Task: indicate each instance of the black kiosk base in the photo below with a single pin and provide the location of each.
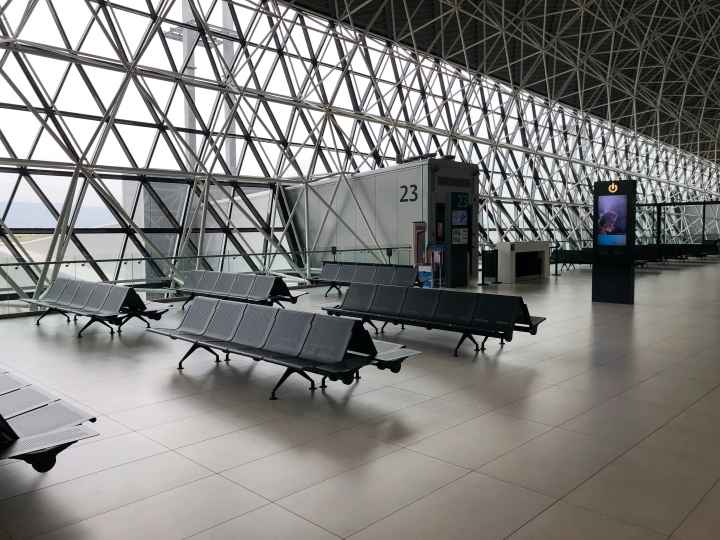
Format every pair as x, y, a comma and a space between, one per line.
613, 275
613, 283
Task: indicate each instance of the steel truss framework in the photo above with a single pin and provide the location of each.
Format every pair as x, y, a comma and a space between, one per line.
186, 120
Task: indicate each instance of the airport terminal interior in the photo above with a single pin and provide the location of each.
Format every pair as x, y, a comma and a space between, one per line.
369, 269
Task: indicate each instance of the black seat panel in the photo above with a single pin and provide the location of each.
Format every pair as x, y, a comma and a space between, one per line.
289, 332
208, 281
261, 288
192, 280
225, 320
388, 300
359, 297
198, 316
242, 285
455, 307
420, 304
254, 326
224, 283
329, 271
384, 275
328, 339
405, 276
346, 273
364, 273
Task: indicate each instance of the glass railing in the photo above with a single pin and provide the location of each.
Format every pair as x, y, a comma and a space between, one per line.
152, 275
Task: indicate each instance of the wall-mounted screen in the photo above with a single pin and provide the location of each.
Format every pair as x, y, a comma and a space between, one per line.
460, 218
612, 220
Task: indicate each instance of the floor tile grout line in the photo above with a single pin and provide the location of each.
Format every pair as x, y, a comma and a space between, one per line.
622, 454
165, 451
417, 499
250, 512
114, 509
690, 512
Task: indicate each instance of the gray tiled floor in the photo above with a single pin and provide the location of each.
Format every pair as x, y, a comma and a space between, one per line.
604, 426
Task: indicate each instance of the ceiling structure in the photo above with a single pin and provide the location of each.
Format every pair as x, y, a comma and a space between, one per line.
650, 65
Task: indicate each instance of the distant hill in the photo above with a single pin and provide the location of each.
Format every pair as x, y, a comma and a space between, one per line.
28, 215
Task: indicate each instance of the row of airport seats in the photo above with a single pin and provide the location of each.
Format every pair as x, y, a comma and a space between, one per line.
257, 289
299, 341
643, 253
340, 273
104, 303
468, 313
36, 426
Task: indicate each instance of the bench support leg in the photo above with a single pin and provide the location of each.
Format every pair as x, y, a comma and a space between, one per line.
187, 302
482, 346
281, 381
94, 320
502, 342
48, 312
192, 349
323, 385
373, 325
288, 372
357, 375
382, 328
462, 339
309, 378
333, 286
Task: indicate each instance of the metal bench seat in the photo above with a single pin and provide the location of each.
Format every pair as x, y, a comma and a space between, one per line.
336, 274
103, 303
299, 341
36, 426
467, 313
251, 288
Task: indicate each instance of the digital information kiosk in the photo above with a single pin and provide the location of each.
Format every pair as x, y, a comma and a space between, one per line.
613, 242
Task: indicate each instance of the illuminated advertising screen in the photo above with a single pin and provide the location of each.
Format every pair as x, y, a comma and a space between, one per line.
612, 224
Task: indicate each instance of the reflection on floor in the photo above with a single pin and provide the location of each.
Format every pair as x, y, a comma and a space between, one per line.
604, 426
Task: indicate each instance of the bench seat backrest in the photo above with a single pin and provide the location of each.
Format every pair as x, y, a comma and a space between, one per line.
384, 275
82, 295
242, 285
388, 300
405, 276
364, 273
224, 283
329, 271
98, 297
420, 304
289, 331
261, 288
359, 297
225, 320
68, 293
198, 316
192, 279
53, 292
496, 312
346, 273
455, 307
255, 326
208, 281
328, 340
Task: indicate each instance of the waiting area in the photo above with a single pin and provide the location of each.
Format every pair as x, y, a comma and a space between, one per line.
604, 425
